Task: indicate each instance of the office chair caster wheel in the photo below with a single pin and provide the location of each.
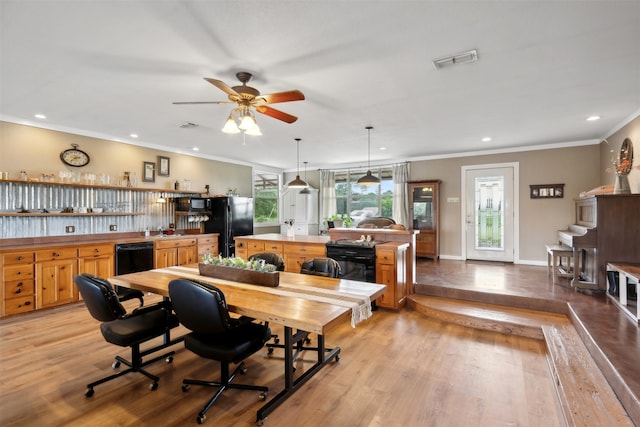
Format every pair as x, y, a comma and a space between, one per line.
200, 419
169, 359
307, 340
153, 386
263, 395
116, 364
276, 340
270, 350
185, 388
243, 370
89, 392
337, 357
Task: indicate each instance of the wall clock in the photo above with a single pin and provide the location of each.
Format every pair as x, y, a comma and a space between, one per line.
74, 157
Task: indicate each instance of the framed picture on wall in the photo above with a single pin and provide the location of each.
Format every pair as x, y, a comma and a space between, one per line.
546, 191
164, 164
148, 172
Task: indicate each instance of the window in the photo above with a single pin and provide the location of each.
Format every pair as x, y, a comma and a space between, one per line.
362, 201
266, 193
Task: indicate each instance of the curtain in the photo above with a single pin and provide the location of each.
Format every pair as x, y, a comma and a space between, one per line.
400, 197
327, 195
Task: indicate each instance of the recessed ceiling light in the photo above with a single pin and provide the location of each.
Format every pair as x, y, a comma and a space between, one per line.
196, 149
383, 148
593, 118
486, 139
133, 135
39, 116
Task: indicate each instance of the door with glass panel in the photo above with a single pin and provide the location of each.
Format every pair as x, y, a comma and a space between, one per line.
489, 222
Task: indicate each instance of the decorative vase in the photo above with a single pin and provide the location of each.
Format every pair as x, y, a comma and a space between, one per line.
243, 275
622, 185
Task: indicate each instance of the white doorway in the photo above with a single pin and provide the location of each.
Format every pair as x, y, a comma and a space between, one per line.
490, 212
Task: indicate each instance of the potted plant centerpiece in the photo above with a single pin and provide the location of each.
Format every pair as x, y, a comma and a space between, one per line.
255, 272
339, 220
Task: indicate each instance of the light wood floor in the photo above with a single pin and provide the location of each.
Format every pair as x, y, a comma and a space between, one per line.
397, 369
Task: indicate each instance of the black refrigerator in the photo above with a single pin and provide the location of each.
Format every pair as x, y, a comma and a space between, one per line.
230, 216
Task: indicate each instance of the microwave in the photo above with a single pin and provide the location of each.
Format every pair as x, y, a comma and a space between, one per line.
193, 204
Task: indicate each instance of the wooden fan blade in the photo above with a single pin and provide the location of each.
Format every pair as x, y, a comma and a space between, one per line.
223, 87
204, 102
276, 114
288, 96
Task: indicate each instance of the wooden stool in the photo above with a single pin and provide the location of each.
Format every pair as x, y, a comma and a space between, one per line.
555, 255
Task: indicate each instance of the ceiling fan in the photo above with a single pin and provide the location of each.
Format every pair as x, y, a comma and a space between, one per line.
247, 97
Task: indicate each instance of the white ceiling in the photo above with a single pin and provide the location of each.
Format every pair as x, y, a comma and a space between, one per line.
112, 68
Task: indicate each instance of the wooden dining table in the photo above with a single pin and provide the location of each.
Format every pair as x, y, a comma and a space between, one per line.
301, 303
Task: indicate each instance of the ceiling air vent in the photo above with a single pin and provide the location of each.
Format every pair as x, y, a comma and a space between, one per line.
460, 58
187, 125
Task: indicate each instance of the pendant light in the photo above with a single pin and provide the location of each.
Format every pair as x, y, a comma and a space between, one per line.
305, 190
369, 179
297, 183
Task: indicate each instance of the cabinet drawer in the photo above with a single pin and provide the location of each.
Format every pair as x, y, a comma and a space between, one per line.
19, 305
56, 253
96, 250
305, 250
207, 249
386, 256
273, 247
425, 238
207, 240
18, 272
15, 288
17, 258
168, 244
254, 247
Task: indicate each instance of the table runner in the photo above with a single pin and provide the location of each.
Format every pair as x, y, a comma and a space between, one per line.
359, 304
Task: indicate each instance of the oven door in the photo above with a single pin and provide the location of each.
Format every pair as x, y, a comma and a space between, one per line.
355, 267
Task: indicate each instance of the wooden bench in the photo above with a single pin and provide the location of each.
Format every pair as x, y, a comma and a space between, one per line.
555, 256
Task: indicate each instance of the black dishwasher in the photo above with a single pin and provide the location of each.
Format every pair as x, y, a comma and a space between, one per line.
134, 257
131, 258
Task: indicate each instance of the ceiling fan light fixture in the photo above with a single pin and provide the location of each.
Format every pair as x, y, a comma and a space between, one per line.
254, 131
369, 179
247, 121
230, 126
297, 183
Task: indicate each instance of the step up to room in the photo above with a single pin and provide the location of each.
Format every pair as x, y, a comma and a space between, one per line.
586, 397
492, 317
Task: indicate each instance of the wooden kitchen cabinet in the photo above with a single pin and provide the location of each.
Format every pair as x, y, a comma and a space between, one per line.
391, 271
97, 260
18, 283
207, 244
55, 269
424, 206
296, 254
171, 252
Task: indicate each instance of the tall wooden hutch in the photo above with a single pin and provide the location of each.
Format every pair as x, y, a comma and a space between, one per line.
424, 212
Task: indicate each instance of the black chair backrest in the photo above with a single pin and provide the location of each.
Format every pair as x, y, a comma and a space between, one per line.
199, 306
270, 258
326, 267
99, 297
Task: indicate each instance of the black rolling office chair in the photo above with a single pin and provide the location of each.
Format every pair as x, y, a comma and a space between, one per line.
125, 329
274, 259
270, 258
126, 294
215, 335
326, 267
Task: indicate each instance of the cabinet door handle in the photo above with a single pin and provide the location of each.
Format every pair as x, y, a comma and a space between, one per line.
97, 250
20, 258
56, 254
27, 303
19, 291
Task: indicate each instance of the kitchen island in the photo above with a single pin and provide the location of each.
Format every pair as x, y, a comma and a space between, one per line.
390, 264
